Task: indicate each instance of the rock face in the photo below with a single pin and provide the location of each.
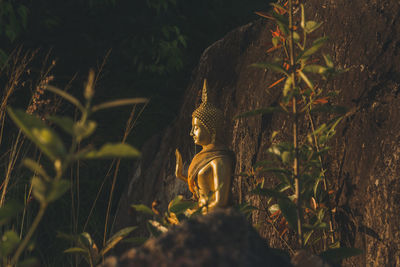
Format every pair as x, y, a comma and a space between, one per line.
222, 238
363, 162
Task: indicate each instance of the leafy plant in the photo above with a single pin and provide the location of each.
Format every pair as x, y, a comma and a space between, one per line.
85, 246
48, 187
179, 210
13, 21
302, 199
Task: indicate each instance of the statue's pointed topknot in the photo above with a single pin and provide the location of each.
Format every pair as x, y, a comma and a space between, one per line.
208, 114
204, 95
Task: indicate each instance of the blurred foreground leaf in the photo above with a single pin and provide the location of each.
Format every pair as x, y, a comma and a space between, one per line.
9, 241
118, 150
178, 205
36, 130
9, 210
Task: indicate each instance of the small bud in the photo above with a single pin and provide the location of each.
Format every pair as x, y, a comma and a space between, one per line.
57, 165
89, 90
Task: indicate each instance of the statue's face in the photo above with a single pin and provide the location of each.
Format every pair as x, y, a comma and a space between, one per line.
200, 134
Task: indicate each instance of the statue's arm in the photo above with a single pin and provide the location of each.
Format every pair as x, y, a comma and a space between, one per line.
222, 175
179, 166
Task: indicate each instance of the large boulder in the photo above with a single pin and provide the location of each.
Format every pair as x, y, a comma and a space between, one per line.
363, 162
223, 238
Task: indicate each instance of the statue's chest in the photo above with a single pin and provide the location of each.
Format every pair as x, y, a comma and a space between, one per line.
205, 179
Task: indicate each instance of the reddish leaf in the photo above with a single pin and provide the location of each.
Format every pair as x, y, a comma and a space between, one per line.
322, 100
274, 48
264, 14
283, 232
277, 82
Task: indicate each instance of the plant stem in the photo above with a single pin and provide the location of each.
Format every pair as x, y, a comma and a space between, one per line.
332, 232
13, 158
295, 129
128, 128
28, 236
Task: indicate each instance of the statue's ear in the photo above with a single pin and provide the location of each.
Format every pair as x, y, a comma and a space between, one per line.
213, 137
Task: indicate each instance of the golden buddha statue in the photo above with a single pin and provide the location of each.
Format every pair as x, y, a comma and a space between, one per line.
210, 172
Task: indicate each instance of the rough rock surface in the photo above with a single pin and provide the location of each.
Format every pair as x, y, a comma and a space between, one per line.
363, 162
222, 238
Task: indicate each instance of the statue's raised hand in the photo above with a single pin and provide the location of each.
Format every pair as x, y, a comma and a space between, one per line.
179, 166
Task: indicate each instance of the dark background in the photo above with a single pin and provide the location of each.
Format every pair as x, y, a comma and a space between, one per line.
151, 48
154, 46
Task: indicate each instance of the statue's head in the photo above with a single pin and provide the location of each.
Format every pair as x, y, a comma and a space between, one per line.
207, 121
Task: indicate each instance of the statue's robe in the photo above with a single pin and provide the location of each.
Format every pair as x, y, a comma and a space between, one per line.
201, 159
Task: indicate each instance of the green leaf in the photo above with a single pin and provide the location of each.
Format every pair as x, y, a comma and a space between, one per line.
338, 254
306, 80
335, 245
267, 110
273, 208
36, 130
11, 32
311, 26
178, 205
288, 86
120, 102
65, 123
282, 187
23, 13
28, 263
286, 157
268, 192
156, 228
143, 208
122, 233
303, 16
307, 236
58, 188
328, 60
118, 150
82, 130
3, 58
10, 209
288, 209
320, 129
314, 48
278, 6
48, 191
275, 41
69, 237
316, 185
39, 189
35, 168
65, 95
85, 240
283, 23
296, 37
116, 238
271, 66
313, 68
316, 225
9, 241
76, 250
321, 214
245, 208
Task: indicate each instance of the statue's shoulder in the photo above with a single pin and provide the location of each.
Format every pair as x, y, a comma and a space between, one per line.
223, 161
